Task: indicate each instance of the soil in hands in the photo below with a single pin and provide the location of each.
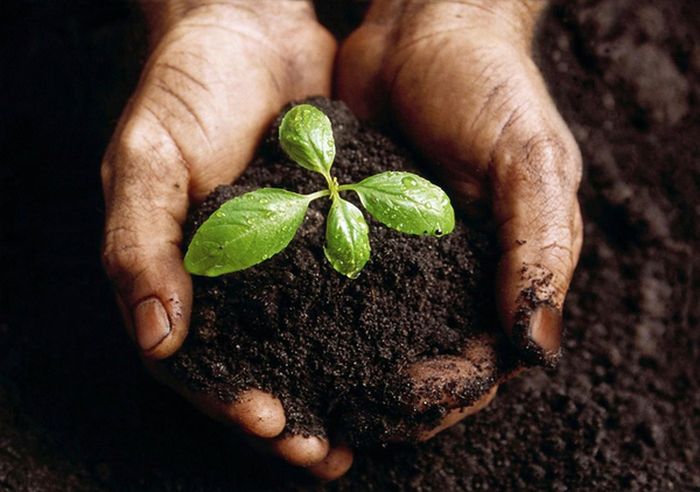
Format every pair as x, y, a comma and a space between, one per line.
334, 350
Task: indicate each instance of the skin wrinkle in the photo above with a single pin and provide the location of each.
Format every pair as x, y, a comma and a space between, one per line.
177, 12
181, 155
190, 77
139, 147
236, 7
492, 95
502, 134
115, 242
518, 27
289, 67
188, 109
405, 45
261, 41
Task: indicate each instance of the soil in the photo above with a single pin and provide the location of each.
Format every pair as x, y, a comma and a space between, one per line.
622, 410
334, 350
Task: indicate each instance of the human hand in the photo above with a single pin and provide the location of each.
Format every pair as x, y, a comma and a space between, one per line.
459, 80
217, 75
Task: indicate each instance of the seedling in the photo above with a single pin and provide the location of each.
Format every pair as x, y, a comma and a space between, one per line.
253, 227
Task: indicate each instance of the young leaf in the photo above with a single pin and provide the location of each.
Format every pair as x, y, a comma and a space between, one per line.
245, 231
347, 238
306, 136
407, 203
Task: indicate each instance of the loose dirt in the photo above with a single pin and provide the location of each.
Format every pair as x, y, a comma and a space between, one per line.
622, 410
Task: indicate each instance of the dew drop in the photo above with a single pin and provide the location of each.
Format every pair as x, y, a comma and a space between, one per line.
409, 182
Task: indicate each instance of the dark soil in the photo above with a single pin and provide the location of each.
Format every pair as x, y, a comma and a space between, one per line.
622, 411
334, 350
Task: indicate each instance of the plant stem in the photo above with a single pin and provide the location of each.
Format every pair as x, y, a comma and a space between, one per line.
346, 187
318, 194
329, 181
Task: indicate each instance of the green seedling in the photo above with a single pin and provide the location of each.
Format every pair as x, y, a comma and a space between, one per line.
253, 227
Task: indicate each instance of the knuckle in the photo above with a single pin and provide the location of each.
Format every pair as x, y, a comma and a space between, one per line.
121, 253
142, 147
142, 166
559, 258
549, 161
543, 157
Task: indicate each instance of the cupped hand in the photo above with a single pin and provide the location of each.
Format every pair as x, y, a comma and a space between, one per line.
459, 80
216, 77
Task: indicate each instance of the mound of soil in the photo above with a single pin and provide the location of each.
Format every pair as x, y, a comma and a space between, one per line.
334, 350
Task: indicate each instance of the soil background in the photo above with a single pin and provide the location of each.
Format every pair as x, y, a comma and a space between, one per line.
622, 411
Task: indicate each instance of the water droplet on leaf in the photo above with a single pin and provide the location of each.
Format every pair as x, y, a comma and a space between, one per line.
409, 182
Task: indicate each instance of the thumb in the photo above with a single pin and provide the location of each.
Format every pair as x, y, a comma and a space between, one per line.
535, 176
145, 182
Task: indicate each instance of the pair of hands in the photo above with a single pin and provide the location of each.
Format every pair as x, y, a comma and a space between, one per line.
457, 78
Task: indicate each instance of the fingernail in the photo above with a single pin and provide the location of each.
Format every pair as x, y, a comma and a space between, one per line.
537, 334
152, 324
545, 330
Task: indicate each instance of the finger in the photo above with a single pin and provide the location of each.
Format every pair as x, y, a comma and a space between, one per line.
455, 381
261, 416
461, 384
255, 412
336, 463
300, 450
458, 414
145, 186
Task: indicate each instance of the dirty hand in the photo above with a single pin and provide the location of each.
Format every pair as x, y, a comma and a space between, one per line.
459, 80
216, 77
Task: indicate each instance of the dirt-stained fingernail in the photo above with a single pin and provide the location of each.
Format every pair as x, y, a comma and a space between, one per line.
151, 324
544, 332
545, 328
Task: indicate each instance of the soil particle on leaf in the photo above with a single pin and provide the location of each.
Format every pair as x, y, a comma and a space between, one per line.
337, 351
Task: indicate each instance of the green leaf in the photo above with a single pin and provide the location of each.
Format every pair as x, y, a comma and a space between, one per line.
347, 238
245, 231
406, 202
306, 135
